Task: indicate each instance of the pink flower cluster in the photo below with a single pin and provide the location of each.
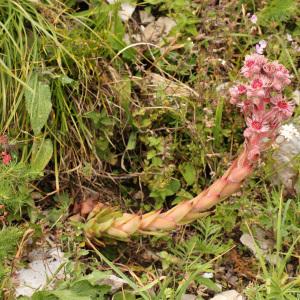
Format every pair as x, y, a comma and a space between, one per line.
261, 101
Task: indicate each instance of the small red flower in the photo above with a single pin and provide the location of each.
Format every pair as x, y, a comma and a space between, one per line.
257, 84
283, 108
241, 89
249, 63
270, 68
282, 105
252, 65
255, 125
6, 158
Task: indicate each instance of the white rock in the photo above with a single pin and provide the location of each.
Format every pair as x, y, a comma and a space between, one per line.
115, 282
222, 87
208, 275
296, 96
228, 295
45, 266
262, 245
287, 147
156, 31
126, 10
146, 17
188, 297
248, 241
126, 39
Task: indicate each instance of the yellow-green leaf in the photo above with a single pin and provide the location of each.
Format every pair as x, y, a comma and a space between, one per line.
41, 156
38, 103
188, 172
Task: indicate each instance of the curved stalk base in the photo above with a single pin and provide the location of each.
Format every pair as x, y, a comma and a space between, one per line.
107, 222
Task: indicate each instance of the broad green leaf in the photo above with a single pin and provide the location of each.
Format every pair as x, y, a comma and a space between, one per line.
174, 185
97, 276
64, 79
188, 172
42, 153
156, 162
209, 283
146, 122
85, 288
151, 153
131, 141
94, 116
182, 195
38, 103
170, 189
43, 295
124, 295
100, 119
69, 295
106, 121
